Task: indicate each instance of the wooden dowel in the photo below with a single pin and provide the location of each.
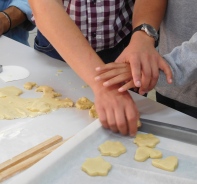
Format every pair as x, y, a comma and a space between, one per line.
27, 163
29, 153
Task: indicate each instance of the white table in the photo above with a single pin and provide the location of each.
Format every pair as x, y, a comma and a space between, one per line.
19, 135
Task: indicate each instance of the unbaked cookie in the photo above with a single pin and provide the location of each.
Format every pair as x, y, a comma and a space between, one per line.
148, 140
112, 148
168, 164
143, 153
96, 166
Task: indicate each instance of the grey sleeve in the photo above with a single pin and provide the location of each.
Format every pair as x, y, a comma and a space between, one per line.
183, 62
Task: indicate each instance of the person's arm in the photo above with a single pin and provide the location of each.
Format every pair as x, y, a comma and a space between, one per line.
149, 12
16, 16
117, 112
183, 61
144, 59
24, 7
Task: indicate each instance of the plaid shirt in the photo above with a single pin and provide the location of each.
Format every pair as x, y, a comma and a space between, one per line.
104, 23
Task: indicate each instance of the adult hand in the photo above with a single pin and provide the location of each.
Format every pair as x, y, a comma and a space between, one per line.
145, 62
116, 111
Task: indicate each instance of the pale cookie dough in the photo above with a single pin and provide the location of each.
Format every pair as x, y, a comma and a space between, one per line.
96, 166
143, 153
139, 124
148, 140
12, 106
10, 91
168, 164
84, 103
92, 112
48, 91
112, 148
29, 85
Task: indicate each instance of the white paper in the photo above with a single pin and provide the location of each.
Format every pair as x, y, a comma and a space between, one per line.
12, 73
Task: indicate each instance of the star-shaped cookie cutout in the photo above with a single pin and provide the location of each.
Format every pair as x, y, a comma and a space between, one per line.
96, 166
147, 140
112, 148
143, 153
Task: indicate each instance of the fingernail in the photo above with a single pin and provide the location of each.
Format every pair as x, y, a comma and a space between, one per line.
142, 92
97, 68
105, 83
170, 81
138, 84
97, 78
121, 89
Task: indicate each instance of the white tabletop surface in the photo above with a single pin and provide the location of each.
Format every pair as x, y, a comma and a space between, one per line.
19, 135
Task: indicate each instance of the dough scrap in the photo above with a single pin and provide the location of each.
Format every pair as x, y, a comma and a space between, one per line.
29, 85
147, 140
169, 164
84, 103
12, 106
139, 124
92, 112
10, 91
112, 148
143, 153
48, 91
96, 166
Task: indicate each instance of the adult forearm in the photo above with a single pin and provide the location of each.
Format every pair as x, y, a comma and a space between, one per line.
66, 38
17, 17
149, 11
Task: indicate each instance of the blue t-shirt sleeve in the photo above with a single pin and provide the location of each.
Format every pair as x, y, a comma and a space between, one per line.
23, 5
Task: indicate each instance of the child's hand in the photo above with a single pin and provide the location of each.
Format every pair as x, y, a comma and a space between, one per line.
116, 73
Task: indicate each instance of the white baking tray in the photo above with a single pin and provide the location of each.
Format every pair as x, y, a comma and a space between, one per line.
64, 164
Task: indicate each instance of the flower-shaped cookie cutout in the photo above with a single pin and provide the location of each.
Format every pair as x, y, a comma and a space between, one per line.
96, 166
168, 164
112, 148
143, 153
148, 140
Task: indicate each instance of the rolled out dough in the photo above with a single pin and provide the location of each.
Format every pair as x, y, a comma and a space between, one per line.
12, 106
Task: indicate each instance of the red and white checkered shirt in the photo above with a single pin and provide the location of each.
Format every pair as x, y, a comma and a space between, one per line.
104, 23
